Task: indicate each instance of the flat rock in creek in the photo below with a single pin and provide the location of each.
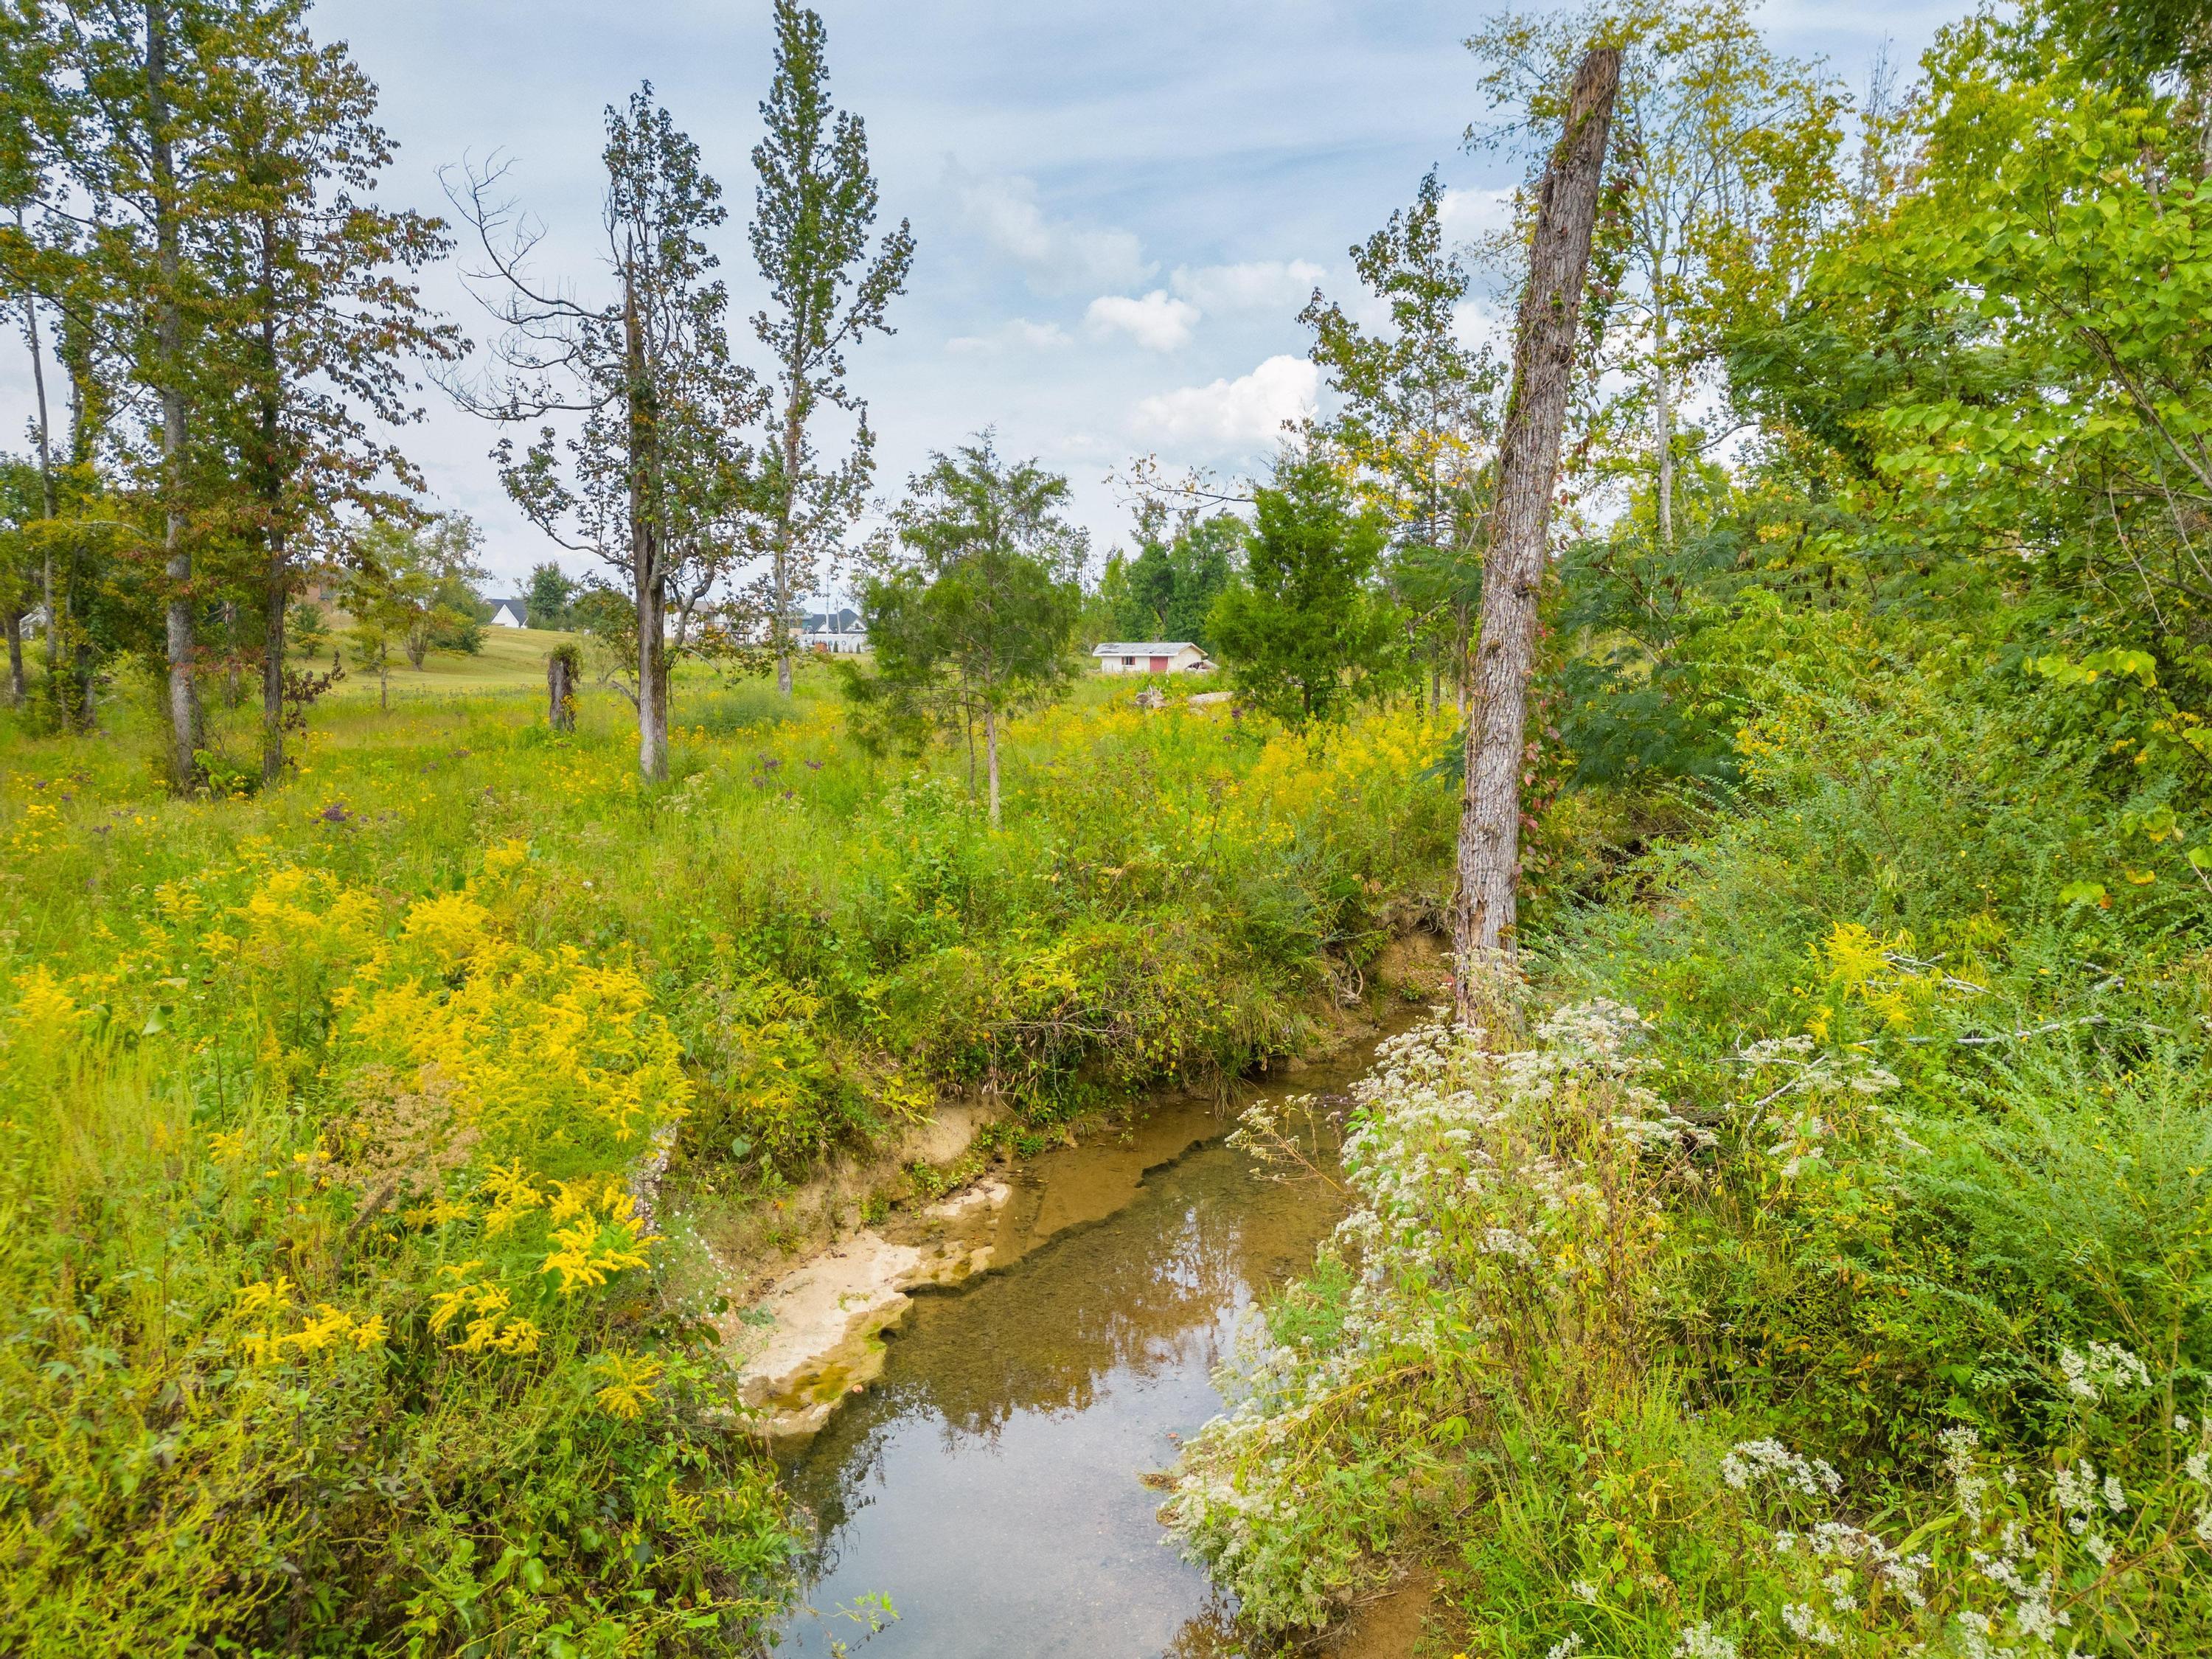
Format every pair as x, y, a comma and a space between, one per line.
829, 1314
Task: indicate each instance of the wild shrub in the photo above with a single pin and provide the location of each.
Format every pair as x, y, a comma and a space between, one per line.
329, 1325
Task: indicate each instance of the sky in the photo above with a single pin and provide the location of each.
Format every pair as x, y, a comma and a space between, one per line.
1119, 208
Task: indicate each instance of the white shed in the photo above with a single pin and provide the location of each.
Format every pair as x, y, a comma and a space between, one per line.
510, 613
1150, 656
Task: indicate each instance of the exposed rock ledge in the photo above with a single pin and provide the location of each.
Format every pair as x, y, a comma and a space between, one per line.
829, 1314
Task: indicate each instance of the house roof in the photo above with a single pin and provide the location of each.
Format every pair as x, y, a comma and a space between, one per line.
521, 607
1144, 649
846, 621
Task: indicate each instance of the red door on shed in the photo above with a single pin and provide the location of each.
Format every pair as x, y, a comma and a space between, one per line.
1159, 665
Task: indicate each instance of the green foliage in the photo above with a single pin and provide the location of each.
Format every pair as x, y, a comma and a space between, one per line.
1304, 633
974, 624
1167, 591
274, 1001
414, 586
548, 596
814, 211
1418, 427
309, 630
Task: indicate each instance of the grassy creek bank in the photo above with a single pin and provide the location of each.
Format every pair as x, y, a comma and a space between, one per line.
951, 1200
335, 1323
986, 1480
1819, 1262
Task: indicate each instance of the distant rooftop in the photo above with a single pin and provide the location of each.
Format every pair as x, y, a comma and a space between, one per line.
1144, 647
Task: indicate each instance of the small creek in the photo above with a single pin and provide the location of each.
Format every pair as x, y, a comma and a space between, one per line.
988, 1483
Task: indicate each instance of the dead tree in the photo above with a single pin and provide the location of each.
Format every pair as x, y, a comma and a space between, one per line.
1483, 911
562, 669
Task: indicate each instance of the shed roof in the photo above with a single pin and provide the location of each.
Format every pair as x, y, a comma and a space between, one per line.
1144, 649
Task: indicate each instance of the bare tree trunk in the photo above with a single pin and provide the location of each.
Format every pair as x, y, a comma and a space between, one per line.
991, 758
17, 689
88, 687
1484, 912
272, 494
794, 439
183, 704
1662, 391
650, 573
272, 668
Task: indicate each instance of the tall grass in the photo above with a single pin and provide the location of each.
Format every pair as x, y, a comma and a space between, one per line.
1914, 1354
333, 1318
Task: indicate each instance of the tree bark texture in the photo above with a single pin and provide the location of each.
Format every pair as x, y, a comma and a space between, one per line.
991, 758
183, 704
1663, 399
272, 665
561, 690
17, 688
648, 568
794, 453
272, 482
1484, 913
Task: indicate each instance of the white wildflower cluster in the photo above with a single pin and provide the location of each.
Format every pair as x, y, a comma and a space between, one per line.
1806, 1070
1798, 1145
1853, 1549
2032, 1615
2106, 1369
1480, 1206
1754, 1461
1701, 1641
1807, 1625
1959, 1443
1975, 1630
1809, 1073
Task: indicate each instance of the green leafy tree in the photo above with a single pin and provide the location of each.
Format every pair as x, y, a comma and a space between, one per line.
372, 653
814, 213
314, 316
1724, 179
972, 614
1306, 632
1417, 425
308, 627
654, 481
1167, 591
412, 583
550, 593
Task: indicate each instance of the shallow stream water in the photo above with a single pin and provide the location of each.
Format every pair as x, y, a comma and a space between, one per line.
989, 1484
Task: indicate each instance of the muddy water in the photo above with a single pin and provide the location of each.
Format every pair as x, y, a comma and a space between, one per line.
989, 1483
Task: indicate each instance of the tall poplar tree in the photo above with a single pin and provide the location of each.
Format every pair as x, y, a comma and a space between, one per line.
813, 215
654, 478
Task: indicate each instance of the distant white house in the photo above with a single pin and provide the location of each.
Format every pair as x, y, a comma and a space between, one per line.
1150, 656
510, 613
834, 633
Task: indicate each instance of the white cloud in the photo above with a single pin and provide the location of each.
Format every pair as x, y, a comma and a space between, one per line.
1467, 214
1234, 415
1015, 334
1155, 322
1053, 254
1256, 285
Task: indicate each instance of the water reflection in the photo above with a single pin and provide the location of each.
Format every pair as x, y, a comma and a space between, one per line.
989, 1484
